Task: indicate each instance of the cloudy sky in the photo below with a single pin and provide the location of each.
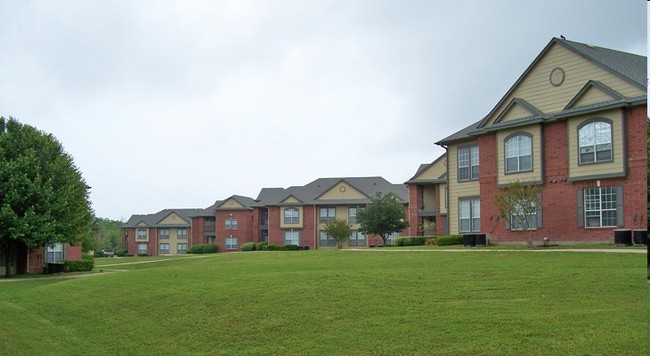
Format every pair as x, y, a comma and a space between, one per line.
176, 104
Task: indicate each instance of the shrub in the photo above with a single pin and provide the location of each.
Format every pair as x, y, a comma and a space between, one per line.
248, 246
78, 265
410, 241
86, 256
98, 253
142, 255
431, 241
261, 246
121, 253
272, 247
203, 248
450, 240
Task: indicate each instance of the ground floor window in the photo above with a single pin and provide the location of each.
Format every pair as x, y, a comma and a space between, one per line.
521, 221
326, 240
142, 249
390, 239
600, 206
357, 239
469, 215
181, 248
232, 243
54, 253
292, 238
164, 249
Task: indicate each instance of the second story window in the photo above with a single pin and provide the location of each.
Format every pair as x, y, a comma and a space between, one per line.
519, 153
163, 234
142, 234
231, 223
352, 215
291, 215
595, 142
468, 163
327, 214
182, 233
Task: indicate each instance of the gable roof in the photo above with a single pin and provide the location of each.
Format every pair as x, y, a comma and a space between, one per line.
423, 167
308, 194
153, 220
627, 66
245, 202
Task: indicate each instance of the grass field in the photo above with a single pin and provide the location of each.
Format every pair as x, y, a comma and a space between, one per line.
337, 302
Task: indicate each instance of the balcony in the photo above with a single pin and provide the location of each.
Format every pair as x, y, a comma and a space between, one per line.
426, 212
264, 224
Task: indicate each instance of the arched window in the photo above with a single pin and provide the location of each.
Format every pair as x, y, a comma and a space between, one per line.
595, 142
519, 153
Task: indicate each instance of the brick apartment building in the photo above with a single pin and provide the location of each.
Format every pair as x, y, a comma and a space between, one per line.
575, 123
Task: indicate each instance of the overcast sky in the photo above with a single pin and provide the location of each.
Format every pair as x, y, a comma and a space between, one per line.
176, 104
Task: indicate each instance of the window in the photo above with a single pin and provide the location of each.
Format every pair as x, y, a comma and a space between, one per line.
390, 239
517, 221
600, 206
142, 249
595, 142
468, 163
182, 233
54, 253
181, 248
519, 157
232, 243
292, 238
164, 249
327, 214
231, 223
352, 215
325, 239
142, 234
357, 239
163, 233
291, 216
469, 213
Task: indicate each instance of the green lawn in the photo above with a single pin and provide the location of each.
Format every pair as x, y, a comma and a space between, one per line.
337, 302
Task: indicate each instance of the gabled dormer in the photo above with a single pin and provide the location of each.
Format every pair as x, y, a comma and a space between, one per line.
593, 92
343, 191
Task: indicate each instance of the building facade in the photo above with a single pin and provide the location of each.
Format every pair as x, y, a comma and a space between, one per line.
574, 124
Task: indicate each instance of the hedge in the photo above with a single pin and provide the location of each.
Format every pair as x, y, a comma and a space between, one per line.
248, 246
203, 248
78, 265
450, 240
271, 247
261, 246
411, 241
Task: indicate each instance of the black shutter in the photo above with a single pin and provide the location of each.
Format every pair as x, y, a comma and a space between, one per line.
580, 209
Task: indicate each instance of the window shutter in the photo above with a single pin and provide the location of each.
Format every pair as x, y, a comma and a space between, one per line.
539, 210
580, 210
620, 218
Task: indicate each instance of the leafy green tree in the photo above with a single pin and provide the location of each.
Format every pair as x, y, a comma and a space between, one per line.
108, 232
383, 216
518, 204
43, 197
339, 230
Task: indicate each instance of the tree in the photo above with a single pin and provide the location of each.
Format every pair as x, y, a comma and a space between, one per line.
43, 197
383, 216
108, 232
518, 204
339, 230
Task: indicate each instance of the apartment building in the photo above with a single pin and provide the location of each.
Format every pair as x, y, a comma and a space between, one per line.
575, 124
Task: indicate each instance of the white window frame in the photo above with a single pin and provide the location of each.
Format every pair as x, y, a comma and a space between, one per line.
54, 253
231, 223
600, 205
231, 243
141, 234
291, 216
518, 149
468, 163
142, 248
292, 237
471, 213
594, 137
330, 214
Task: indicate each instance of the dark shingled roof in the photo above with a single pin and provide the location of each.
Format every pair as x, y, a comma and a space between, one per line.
153, 220
308, 194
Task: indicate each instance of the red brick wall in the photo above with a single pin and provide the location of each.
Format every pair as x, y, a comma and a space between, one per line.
72, 252
275, 234
197, 236
415, 201
245, 231
559, 214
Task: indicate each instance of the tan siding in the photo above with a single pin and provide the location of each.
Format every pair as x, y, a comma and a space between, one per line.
538, 91
435, 171
456, 189
341, 213
441, 198
231, 204
516, 112
536, 173
428, 197
336, 193
299, 225
172, 219
599, 169
291, 200
592, 96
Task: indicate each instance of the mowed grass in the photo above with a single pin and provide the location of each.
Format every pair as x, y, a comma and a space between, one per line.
337, 302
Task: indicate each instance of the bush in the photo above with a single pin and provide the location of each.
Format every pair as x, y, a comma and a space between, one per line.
450, 240
120, 253
410, 241
261, 246
86, 256
271, 247
98, 253
248, 246
142, 255
203, 248
431, 241
78, 265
